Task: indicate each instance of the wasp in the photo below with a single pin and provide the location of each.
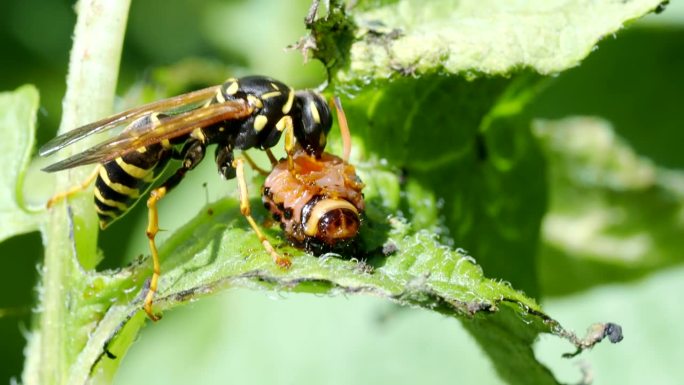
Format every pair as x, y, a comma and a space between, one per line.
244, 113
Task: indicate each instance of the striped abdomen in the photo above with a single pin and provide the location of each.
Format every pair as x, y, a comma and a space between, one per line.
124, 180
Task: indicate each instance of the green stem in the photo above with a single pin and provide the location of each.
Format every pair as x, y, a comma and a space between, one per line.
70, 234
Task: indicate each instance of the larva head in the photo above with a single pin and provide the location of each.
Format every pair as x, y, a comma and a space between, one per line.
318, 202
329, 221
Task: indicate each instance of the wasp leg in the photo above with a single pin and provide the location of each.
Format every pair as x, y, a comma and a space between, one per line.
75, 189
271, 157
290, 140
224, 161
193, 153
253, 165
246, 211
344, 129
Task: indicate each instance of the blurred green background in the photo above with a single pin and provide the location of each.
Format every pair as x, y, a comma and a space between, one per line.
634, 81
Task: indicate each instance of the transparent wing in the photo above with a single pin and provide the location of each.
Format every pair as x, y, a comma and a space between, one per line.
126, 117
168, 128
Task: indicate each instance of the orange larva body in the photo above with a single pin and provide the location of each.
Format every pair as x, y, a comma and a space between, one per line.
318, 202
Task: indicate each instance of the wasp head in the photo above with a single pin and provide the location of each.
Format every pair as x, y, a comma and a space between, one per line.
312, 126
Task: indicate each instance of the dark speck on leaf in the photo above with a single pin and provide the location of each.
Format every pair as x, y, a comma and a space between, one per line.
614, 332
389, 248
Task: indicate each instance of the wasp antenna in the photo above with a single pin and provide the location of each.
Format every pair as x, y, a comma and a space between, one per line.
344, 129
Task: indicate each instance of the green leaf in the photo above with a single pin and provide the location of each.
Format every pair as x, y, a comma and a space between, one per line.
217, 250
457, 145
450, 165
635, 98
442, 172
614, 215
378, 40
17, 128
400, 261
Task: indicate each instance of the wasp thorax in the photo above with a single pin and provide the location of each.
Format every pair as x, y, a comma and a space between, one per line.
311, 128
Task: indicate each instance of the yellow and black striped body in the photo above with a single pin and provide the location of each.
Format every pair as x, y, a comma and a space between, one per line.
124, 180
244, 113
277, 106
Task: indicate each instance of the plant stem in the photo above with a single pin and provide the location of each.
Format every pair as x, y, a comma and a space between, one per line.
70, 234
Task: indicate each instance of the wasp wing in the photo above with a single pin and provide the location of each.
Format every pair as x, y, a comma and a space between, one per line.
126, 117
168, 128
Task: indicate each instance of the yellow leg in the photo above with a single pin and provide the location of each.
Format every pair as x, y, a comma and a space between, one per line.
152, 229
192, 156
247, 213
290, 142
271, 157
75, 189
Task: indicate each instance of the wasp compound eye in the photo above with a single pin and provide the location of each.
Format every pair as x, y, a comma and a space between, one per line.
313, 126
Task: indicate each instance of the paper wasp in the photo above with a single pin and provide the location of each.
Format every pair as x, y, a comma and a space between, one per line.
250, 112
